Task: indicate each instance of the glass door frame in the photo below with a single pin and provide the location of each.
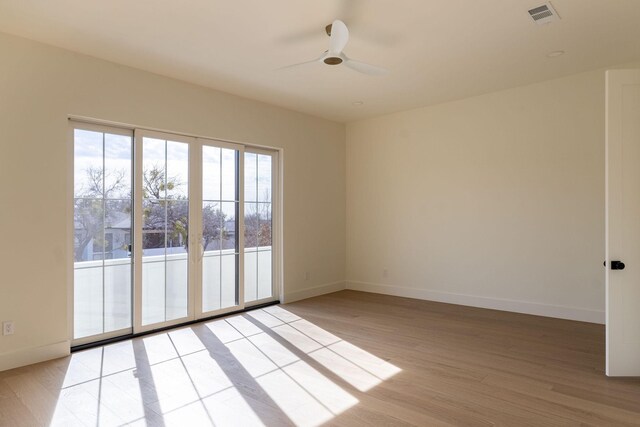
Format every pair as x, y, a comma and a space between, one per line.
198, 233
194, 306
106, 129
276, 218
137, 252
195, 258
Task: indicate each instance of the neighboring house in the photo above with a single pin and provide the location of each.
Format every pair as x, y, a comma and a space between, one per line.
117, 238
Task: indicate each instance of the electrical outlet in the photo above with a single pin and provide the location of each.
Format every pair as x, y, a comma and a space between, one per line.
385, 273
8, 328
306, 275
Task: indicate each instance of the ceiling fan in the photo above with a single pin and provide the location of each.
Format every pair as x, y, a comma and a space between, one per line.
338, 38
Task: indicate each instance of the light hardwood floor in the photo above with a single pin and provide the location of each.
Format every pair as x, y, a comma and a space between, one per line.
347, 358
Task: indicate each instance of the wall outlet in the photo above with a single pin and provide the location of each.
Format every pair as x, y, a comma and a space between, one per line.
385, 273
306, 275
8, 328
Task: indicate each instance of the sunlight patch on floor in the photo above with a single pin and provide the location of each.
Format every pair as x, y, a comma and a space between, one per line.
220, 373
354, 365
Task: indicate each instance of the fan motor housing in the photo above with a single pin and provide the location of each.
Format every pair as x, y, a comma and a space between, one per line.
333, 60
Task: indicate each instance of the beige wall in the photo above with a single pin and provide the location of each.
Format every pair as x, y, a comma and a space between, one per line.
494, 201
41, 85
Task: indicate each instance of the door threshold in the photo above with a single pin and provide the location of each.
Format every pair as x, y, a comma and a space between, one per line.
166, 328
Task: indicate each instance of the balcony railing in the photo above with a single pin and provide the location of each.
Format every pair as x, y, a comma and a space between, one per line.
102, 296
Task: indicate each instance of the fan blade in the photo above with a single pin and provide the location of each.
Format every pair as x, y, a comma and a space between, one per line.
361, 67
300, 64
339, 37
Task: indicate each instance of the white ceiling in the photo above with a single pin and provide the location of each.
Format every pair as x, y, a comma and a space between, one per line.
436, 50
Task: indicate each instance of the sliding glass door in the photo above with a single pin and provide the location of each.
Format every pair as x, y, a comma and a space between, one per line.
167, 229
163, 228
258, 225
102, 197
219, 225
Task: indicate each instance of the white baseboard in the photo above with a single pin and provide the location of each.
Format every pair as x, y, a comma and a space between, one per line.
547, 310
29, 356
313, 292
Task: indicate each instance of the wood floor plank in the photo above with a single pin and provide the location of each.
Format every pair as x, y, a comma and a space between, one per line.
344, 359
14, 413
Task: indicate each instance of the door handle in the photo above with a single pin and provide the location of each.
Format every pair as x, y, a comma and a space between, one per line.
616, 265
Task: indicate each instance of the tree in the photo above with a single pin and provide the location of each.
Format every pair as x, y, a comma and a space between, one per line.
213, 221
89, 210
163, 210
161, 201
154, 186
257, 225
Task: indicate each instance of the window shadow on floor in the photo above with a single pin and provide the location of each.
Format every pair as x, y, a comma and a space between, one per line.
260, 402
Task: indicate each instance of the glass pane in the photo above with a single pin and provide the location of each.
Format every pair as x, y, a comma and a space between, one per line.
264, 178
117, 295
177, 259
210, 281
210, 173
153, 289
264, 274
177, 227
251, 225
211, 226
88, 229
229, 227
165, 230
153, 227
177, 286
228, 174
228, 281
177, 170
117, 164
154, 234
117, 227
258, 233
87, 163
250, 177
87, 299
102, 232
154, 231
153, 168
250, 276
264, 227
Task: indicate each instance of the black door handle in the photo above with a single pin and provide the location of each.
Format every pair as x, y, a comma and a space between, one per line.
616, 265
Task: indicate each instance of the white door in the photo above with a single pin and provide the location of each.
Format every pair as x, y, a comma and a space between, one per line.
219, 211
260, 209
101, 224
162, 249
188, 220
623, 222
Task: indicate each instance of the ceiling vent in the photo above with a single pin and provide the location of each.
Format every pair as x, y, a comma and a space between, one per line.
544, 14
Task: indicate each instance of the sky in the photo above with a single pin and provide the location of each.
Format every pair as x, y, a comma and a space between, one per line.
218, 165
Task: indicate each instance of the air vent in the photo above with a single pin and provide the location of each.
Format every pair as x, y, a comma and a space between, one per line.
544, 14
